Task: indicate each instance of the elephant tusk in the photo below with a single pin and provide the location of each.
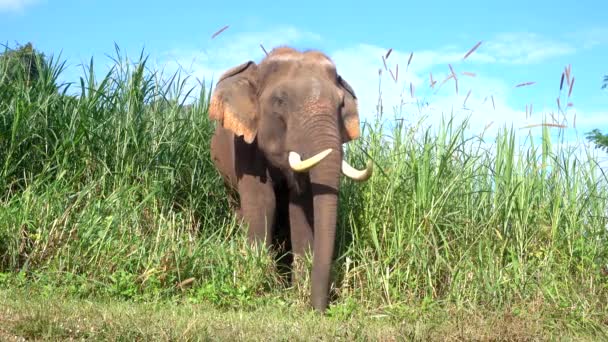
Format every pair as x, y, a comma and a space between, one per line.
299, 165
358, 175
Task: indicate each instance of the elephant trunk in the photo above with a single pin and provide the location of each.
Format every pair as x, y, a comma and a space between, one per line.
325, 179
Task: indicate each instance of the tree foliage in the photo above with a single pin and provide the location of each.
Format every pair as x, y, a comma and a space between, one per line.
22, 63
595, 136
600, 140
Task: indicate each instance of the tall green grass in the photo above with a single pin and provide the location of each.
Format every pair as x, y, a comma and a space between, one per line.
458, 220
112, 192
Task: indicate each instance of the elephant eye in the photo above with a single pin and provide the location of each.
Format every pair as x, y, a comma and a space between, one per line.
278, 101
279, 120
278, 98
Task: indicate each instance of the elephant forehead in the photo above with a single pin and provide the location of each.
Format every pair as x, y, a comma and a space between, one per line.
315, 91
318, 57
318, 105
311, 57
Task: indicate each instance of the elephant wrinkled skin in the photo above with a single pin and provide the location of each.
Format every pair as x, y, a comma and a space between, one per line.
278, 143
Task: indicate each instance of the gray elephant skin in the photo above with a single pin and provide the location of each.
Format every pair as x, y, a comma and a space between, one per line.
278, 145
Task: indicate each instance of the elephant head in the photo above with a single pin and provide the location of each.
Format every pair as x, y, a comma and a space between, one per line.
299, 111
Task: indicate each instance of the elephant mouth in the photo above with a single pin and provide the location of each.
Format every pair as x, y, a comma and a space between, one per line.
298, 165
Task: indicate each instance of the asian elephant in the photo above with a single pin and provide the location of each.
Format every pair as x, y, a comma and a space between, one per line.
278, 143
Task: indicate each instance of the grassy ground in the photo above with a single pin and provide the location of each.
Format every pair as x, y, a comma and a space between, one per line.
35, 316
110, 205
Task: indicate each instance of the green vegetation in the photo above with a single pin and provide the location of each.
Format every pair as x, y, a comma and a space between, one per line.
49, 316
54, 317
599, 139
22, 65
110, 197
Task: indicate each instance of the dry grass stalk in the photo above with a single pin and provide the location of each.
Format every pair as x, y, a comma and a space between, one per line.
455, 78
384, 62
568, 68
452, 71
446, 79
472, 50
553, 117
493, 105
559, 106
431, 80
185, 283
571, 85
392, 75
266, 52
488, 126
470, 74
396, 72
389, 53
524, 84
409, 60
530, 110
220, 31
561, 83
411, 90
464, 104
548, 124
574, 123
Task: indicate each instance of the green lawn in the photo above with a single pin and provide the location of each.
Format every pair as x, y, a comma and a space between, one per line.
49, 317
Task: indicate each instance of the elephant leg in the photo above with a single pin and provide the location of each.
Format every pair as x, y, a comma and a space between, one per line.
301, 231
300, 221
258, 207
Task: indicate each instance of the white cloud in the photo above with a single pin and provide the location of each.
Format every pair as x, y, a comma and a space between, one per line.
589, 38
228, 50
15, 5
586, 121
520, 48
359, 65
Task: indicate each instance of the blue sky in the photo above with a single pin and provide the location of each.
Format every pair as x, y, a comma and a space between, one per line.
521, 42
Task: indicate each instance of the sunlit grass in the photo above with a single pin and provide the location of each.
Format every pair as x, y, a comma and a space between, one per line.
112, 193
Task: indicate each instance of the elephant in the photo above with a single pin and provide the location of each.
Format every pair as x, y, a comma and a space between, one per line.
278, 145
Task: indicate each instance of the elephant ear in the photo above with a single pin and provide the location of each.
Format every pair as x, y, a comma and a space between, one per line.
234, 103
350, 112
